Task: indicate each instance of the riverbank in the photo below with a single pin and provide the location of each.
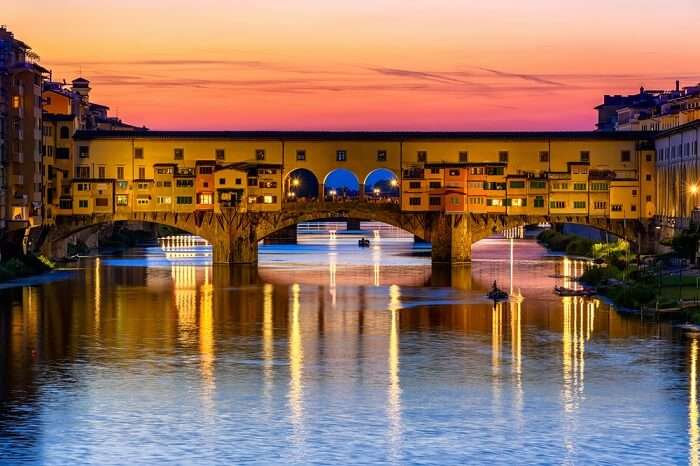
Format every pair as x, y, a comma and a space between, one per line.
24, 266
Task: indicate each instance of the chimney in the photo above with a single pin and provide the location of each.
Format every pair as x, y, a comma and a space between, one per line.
678, 85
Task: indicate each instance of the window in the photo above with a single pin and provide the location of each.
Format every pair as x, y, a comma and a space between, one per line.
579, 204
414, 201
422, 156
138, 152
503, 156
186, 183
634, 192
616, 207
557, 204
560, 186
206, 170
101, 202
142, 186
633, 207
648, 197
539, 201
83, 186
341, 156
120, 173
267, 184
301, 154
83, 203
517, 184
222, 180
600, 205
142, 173
65, 204
82, 172
625, 156
454, 172
599, 186
238, 181
649, 157
434, 185
494, 171
122, 200
517, 202
62, 153
494, 202
434, 171
464, 156
538, 184
183, 200
648, 177
259, 154
165, 200
544, 156
101, 172
84, 151
179, 154
122, 185
585, 156
64, 132
205, 198
381, 156
142, 201
434, 200
164, 170
580, 186
414, 185
220, 154
269, 199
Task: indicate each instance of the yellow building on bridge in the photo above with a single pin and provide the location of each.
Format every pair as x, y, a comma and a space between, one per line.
593, 174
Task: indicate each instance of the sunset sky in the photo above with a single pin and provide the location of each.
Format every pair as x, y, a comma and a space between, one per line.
374, 65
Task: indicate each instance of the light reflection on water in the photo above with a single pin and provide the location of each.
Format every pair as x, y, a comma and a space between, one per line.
334, 354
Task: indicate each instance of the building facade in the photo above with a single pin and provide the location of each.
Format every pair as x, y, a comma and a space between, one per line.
579, 174
21, 165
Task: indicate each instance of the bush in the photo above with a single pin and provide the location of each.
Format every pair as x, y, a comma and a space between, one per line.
633, 296
598, 275
580, 247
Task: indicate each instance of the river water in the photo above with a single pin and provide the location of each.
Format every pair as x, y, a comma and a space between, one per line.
331, 354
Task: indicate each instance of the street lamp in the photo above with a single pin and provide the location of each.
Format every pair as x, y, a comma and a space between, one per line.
377, 191
295, 182
394, 182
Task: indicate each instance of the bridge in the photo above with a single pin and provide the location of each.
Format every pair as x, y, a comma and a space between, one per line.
235, 235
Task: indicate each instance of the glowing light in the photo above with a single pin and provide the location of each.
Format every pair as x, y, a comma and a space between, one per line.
332, 192
394, 183
296, 182
693, 189
377, 191
693, 430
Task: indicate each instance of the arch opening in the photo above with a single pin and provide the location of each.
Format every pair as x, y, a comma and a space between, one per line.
301, 185
382, 185
341, 184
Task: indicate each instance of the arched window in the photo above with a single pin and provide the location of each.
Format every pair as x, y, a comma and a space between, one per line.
65, 133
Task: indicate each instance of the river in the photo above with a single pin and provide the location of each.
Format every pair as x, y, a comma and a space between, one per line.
332, 354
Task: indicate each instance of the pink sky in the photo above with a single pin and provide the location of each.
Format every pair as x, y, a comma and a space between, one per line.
374, 65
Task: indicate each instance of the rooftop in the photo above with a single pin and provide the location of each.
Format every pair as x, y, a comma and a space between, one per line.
364, 135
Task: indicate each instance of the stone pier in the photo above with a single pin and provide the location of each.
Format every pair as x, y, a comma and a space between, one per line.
451, 238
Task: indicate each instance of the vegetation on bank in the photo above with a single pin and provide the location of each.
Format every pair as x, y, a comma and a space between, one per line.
24, 266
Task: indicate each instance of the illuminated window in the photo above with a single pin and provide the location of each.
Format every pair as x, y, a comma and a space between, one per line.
122, 200
269, 199
205, 198
494, 202
15, 101
165, 200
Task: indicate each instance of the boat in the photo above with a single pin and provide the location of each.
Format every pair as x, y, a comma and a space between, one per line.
562, 291
363, 243
497, 294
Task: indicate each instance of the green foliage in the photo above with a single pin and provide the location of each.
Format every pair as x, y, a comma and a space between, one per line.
685, 244
570, 244
24, 266
632, 296
616, 249
598, 275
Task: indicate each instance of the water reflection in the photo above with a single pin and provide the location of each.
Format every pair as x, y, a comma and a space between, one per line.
341, 359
